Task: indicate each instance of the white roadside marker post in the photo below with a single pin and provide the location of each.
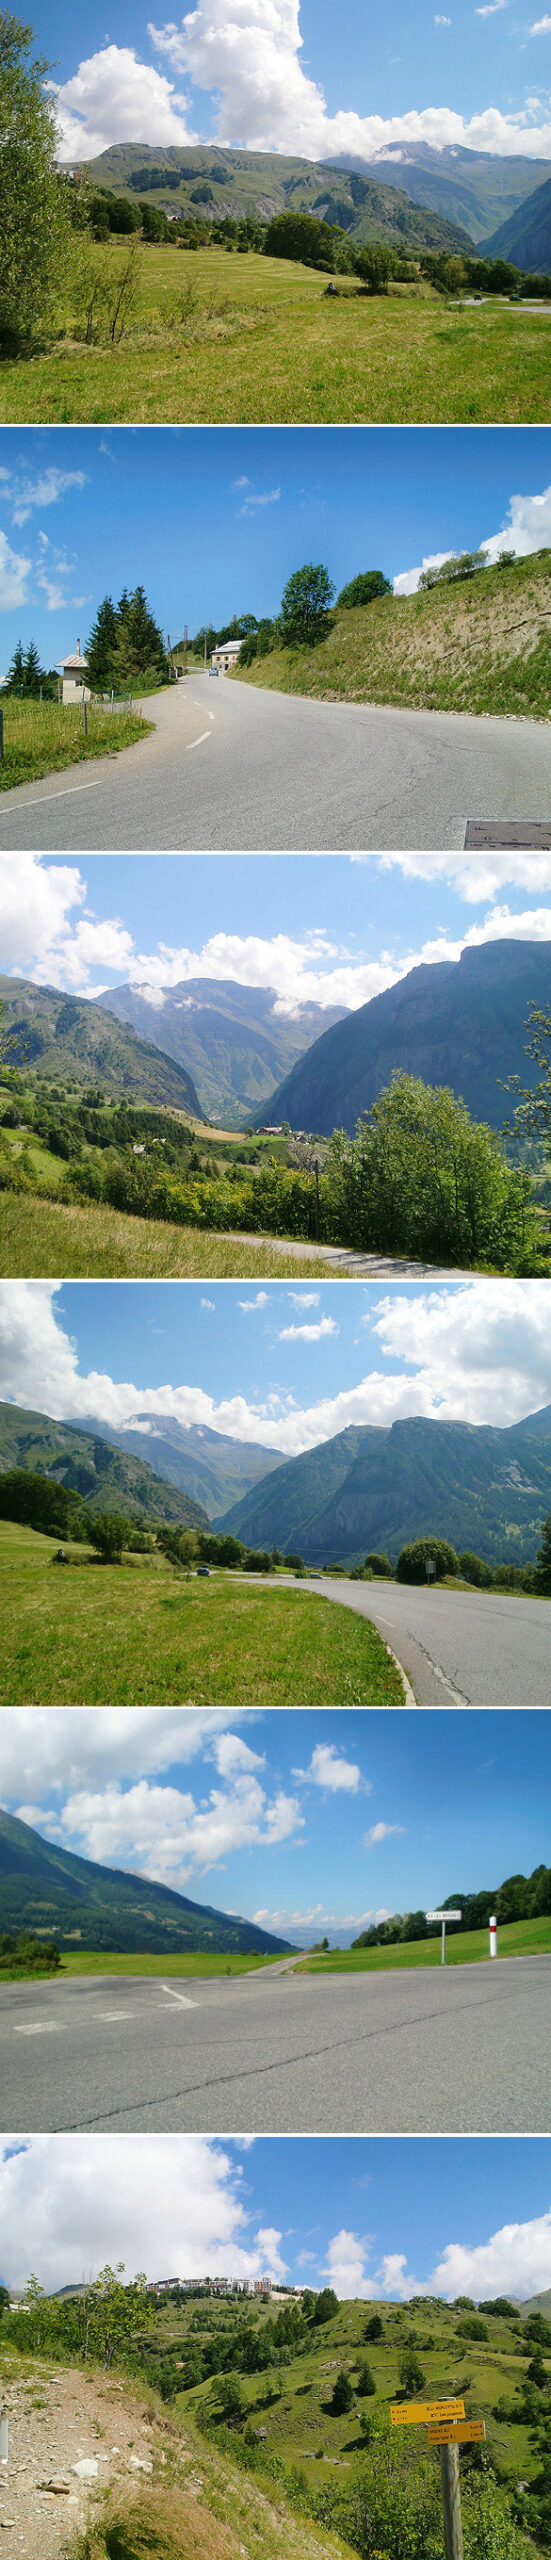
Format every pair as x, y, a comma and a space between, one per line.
493, 1935
4, 2436
443, 1916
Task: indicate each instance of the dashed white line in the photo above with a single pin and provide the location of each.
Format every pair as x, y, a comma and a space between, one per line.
183, 2003
43, 2027
198, 742
69, 794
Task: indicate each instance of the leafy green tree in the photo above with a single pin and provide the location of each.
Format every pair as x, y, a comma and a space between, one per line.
374, 264
411, 2374
475, 1570
35, 231
342, 2397
301, 237
34, 1500
462, 564
413, 1560
325, 2307
543, 1558
229, 2400
421, 1177
363, 589
472, 2327
305, 606
108, 1533
378, 1564
373, 2328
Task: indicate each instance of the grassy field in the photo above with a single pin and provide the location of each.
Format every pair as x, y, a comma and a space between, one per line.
483, 645
94, 1242
197, 1967
130, 1634
261, 341
518, 1938
44, 737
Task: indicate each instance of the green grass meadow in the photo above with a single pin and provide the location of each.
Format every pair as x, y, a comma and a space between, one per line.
264, 342
517, 1938
45, 737
132, 1634
199, 1968
98, 1243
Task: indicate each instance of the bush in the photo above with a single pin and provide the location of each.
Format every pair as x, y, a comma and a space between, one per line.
413, 1559
472, 2327
301, 237
361, 590
342, 2398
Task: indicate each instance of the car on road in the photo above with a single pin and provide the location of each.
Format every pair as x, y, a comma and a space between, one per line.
214, 671
203, 1573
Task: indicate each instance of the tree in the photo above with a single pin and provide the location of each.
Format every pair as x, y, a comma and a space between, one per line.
463, 564
305, 606
411, 2373
362, 589
421, 1177
378, 1564
34, 1500
108, 1533
101, 647
366, 2384
374, 265
342, 2397
373, 2328
301, 237
472, 2327
326, 2305
35, 231
413, 1560
474, 1569
543, 1558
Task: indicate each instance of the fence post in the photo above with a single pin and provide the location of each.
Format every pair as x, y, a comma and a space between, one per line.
451, 2501
85, 717
1, 737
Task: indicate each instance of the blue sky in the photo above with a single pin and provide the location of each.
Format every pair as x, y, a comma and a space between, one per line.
277, 75
378, 2218
284, 1367
325, 929
305, 1822
213, 520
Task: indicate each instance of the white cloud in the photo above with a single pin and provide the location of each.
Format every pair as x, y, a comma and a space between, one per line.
263, 498
308, 1332
249, 1306
442, 22
14, 573
382, 1831
477, 1353
346, 2268
329, 1769
541, 27
210, 1304
304, 1297
74, 1748
160, 1832
491, 8
526, 528
167, 2203
45, 491
516, 2260
113, 97
40, 935
474, 876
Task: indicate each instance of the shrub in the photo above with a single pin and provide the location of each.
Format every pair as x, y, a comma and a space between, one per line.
413, 1559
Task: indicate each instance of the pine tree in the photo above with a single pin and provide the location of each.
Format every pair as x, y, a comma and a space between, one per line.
543, 1558
101, 647
16, 673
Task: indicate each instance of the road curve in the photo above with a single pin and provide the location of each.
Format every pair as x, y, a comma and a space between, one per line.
465, 2050
458, 1648
233, 769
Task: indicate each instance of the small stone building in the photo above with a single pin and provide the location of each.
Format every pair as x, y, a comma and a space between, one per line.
74, 670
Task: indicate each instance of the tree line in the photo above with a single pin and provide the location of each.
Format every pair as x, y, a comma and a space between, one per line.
518, 1898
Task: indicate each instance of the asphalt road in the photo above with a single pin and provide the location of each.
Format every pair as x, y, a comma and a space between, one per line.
459, 1648
456, 2051
230, 769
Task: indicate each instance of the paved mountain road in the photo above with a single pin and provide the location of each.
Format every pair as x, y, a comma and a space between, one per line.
459, 1648
456, 2051
230, 769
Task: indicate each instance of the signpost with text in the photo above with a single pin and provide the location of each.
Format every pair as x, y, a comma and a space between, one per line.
443, 1916
447, 2427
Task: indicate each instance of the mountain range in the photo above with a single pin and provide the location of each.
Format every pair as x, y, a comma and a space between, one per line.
469, 194
206, 1466
211, 183
460, 1023
525, 238
105, 1477
230, 1040
76, 1900
371, 1488
74, 1041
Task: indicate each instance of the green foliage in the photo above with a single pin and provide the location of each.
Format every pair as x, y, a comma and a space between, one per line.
305, 606
472, 2327
378, 1564
464, 564
125, 644
342, 2397
36, 1501
325, 2306
475, 1570
34, 223
543, 1558
366, 2384
299, 236
374, 265
422, 1178
413, 1560
27, 1954
373, 2327
363, 588
411, 2373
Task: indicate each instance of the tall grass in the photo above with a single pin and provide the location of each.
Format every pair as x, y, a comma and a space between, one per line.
43, 737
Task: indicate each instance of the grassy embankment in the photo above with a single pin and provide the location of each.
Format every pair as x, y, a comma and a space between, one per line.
230, 339
482, 645
94, 1242
517, 1938
45, 737
98, 1960
98, 1634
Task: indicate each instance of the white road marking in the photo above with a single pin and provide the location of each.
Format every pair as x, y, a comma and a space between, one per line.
42, 2027
72, 788
198, 742
179, 1996
111, 2017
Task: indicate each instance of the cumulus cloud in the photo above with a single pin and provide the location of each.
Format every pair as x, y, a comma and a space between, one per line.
329, 1769
161, 1832
474, 876
466, 1351
250, 1306
113, 97
47, 929
526, 528
165, 2203
308, 1332
75, 1748
516, 2260
541, 27
245, 54
14, 574
382, 1831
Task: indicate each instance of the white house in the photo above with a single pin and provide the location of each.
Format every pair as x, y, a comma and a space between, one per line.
74, 671
226, 656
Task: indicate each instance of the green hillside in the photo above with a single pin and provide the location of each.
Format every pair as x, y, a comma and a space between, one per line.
525, 238
75, 1900
76, 1041
479, 644
477, 189
461, 1024
103, 1477
482, 1489
204, 1464
211, 184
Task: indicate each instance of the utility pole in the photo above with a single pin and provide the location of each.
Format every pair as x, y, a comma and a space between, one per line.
451, 2501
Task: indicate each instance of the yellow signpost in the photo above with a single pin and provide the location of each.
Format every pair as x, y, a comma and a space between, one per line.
423, 2413
468, 2431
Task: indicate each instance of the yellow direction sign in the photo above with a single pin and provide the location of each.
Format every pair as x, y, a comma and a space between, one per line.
419, 2413
472, 2431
